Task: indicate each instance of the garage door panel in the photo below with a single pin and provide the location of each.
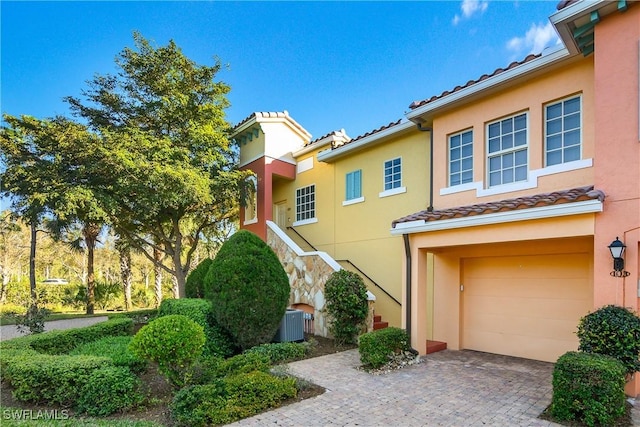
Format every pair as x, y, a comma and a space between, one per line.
525, 306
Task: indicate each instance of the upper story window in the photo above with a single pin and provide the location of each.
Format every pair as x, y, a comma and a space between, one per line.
461, 158
392, 174
306, 203
507, 148
354, 185
562, 131
251, 200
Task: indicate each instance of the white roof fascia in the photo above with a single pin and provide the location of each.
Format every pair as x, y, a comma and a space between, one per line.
564, 209
328, 155
554, 55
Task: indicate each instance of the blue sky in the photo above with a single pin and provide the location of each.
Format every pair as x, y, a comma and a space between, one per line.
332, 65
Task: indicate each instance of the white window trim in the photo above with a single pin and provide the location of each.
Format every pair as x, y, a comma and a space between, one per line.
353, 201
544, 118
305, 222
392, 192
512, 150
460, 133
401, 176
251, 221
532, 182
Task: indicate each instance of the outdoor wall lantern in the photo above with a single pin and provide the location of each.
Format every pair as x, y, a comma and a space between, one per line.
617, 251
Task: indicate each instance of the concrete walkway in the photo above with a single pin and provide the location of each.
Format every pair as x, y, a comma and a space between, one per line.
449, 388
11, 331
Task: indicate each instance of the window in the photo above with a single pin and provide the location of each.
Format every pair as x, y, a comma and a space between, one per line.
392, 174
461, 158
354, 185
562, 131
251, 200
507, 150
306, 203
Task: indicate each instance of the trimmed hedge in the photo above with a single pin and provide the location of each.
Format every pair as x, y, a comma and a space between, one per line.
614, 331
282, 351
63, 341
248, 288
231, 398
347, 305
218, 342
588, 388
377, 347
108, 390
43, 378
116, 349
174, 342
194, 286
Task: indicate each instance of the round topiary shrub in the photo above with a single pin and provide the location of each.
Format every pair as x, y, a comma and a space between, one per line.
194, 286
174, 342
109, 389
248, 289
346, 304
614, 331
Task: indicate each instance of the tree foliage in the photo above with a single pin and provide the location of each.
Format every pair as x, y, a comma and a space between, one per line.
167, 173
248, 288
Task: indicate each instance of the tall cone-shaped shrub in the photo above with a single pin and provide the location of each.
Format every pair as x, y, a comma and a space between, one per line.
248, 289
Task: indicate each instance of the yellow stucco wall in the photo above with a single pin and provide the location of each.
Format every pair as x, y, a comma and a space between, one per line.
360, 232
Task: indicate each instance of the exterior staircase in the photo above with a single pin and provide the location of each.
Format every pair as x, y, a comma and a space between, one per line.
378, 323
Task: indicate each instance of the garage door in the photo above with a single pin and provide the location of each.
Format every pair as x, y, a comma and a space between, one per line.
525, 306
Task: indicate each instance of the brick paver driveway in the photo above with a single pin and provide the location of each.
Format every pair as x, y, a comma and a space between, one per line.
449, 388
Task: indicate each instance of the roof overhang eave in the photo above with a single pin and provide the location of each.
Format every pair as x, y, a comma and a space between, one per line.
564, 209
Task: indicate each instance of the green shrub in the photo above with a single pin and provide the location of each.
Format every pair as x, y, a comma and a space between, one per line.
116, 349
242, 364
218, 342
63, 341
230, 399
248, 288
282, 351
614, 331
50, 379
194, 286
377, 347
588, 388
108, 390
8, 308
33, 320
347, 306
174, 342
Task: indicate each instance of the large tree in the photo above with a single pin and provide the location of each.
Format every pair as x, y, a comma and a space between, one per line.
166, 168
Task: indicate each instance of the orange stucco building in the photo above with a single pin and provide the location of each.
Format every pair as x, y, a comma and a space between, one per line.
500, 244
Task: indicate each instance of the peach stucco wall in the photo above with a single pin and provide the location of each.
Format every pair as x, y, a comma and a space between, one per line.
618, 157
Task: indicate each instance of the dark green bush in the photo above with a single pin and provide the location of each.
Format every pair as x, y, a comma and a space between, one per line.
108, 390
614, 331
63, 341
218, 342
347, 306
589, 388
248, 288
50, 379
230, 399
194, 286
116, 349
242, 364
174, 342
282, 351
377, 347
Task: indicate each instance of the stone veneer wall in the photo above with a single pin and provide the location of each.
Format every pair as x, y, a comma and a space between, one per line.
308, 272
307, 275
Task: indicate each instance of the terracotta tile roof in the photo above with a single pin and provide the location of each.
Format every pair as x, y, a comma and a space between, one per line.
564, 3
416, 104
373, 132
336, 133
555, 198
261, 114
